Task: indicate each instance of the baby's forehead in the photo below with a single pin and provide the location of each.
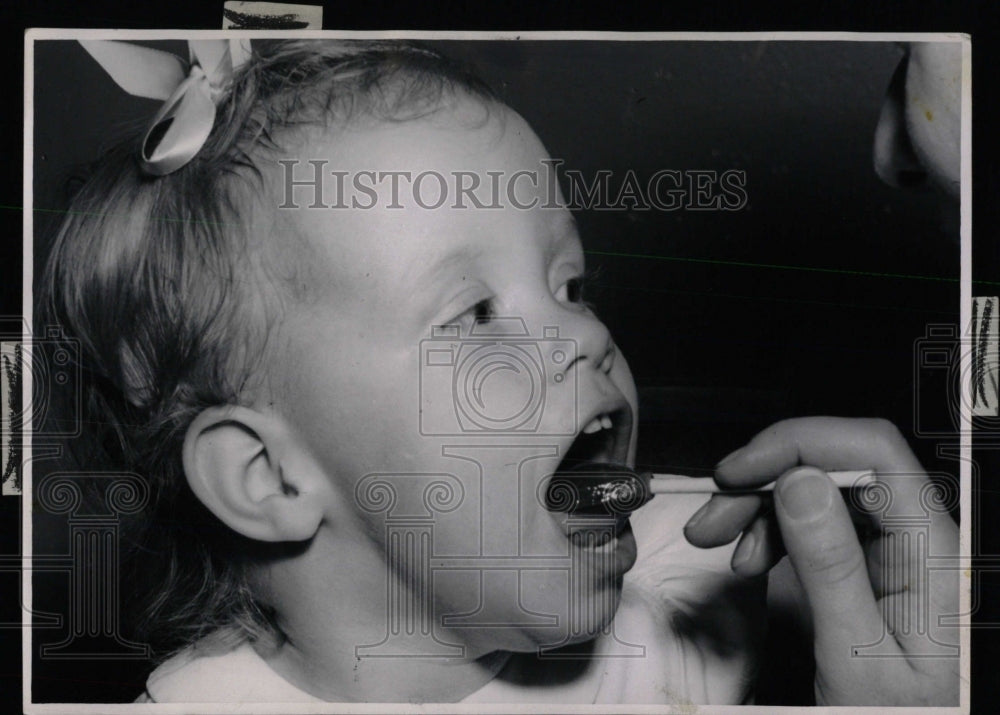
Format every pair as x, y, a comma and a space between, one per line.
461, 130
380, 193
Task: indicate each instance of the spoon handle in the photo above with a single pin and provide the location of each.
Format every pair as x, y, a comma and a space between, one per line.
680, 484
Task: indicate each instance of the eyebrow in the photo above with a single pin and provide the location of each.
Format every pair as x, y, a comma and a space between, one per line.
456, 259
564, 231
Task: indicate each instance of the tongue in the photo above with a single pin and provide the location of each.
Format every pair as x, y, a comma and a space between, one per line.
598, 489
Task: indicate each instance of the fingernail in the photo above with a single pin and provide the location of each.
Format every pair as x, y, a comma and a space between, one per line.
698, 516
745, 550
804, 494
730, 457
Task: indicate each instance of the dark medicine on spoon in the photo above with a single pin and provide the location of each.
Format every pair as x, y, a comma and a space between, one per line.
597, 489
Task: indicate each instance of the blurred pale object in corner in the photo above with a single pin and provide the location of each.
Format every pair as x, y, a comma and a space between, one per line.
918, 138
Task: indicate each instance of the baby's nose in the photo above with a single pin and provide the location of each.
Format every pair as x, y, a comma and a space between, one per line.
595, 350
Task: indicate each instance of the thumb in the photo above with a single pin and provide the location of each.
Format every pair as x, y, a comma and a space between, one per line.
824, 550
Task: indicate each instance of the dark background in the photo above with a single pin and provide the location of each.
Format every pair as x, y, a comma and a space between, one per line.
724, 317
808, 300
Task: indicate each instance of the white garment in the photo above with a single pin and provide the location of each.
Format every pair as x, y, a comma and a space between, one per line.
699, 624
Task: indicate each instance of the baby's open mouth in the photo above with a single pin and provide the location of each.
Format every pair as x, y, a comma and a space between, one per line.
604, 438
592, 480
595, 490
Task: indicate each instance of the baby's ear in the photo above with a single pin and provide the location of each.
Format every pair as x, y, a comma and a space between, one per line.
245, 467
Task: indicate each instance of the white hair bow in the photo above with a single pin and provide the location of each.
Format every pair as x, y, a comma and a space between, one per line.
190, 89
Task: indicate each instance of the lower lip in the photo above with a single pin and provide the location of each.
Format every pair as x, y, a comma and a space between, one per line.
619, 550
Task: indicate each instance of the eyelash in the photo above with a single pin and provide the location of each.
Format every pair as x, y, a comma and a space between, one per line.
578, 284
485, 310
574, 290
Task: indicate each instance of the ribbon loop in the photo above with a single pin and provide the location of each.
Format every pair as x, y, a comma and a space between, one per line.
191, 90
140, 71
180, 128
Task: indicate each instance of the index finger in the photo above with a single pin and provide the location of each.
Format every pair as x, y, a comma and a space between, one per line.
830, 443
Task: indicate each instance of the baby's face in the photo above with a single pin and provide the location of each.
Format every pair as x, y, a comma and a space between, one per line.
379, 396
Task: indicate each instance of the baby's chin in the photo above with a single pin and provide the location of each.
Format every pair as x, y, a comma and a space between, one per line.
575, 639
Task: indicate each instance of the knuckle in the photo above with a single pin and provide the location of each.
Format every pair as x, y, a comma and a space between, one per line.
783, 431
883, 429
786, 425
837, 564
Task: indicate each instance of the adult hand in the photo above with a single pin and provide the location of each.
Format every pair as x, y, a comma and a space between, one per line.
865, 576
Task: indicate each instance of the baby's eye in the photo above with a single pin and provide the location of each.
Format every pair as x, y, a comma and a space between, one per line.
571, 291
484, 311
479, 314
